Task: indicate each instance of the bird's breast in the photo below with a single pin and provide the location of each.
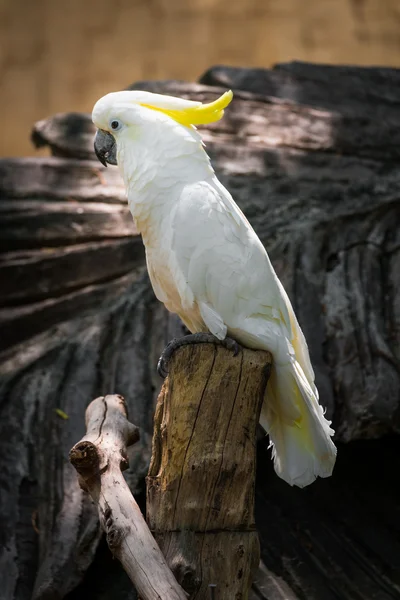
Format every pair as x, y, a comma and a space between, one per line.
152, 214
163, 280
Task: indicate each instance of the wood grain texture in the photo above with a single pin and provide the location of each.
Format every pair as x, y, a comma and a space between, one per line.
200, 486
330, 222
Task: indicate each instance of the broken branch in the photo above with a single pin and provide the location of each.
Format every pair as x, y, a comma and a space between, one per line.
99, 459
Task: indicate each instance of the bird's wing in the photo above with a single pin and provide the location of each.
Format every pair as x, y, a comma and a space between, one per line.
222, 262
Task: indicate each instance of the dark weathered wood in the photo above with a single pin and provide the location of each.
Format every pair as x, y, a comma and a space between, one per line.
31, 275
69, 135
200, 486
20, 323
31, 224
330, 221
99, 458
316, 120
69, 180
341, 89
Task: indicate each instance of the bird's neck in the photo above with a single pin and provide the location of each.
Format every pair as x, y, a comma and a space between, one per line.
157, 169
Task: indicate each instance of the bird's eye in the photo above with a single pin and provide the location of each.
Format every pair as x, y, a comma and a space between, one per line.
115, 124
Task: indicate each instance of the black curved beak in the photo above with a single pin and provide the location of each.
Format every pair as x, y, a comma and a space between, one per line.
105, 148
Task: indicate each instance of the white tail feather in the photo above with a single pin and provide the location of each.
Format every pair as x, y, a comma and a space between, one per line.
298, 431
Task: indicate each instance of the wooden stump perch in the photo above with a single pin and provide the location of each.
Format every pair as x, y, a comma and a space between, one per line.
99, 458
200, 487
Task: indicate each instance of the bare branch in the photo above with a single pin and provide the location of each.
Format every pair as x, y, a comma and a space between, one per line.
99, 459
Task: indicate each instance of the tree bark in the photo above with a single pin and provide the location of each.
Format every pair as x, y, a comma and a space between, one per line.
200, 487
99, 459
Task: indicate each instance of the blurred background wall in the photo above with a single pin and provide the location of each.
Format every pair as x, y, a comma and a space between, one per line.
62, 55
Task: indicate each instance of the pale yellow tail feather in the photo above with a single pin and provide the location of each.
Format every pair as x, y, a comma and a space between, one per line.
299, 433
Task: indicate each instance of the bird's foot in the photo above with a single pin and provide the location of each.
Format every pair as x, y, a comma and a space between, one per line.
193, 338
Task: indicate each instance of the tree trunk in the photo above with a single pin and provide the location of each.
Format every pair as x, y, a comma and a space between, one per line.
200, 486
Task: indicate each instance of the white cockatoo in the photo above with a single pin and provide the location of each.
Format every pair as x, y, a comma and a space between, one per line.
207, 264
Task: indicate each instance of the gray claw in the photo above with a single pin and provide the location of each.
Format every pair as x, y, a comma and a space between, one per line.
232, 345
162, 365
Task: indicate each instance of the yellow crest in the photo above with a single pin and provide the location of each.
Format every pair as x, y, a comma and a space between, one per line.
198, 115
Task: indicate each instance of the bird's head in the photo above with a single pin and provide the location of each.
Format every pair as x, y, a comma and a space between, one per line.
131, 115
